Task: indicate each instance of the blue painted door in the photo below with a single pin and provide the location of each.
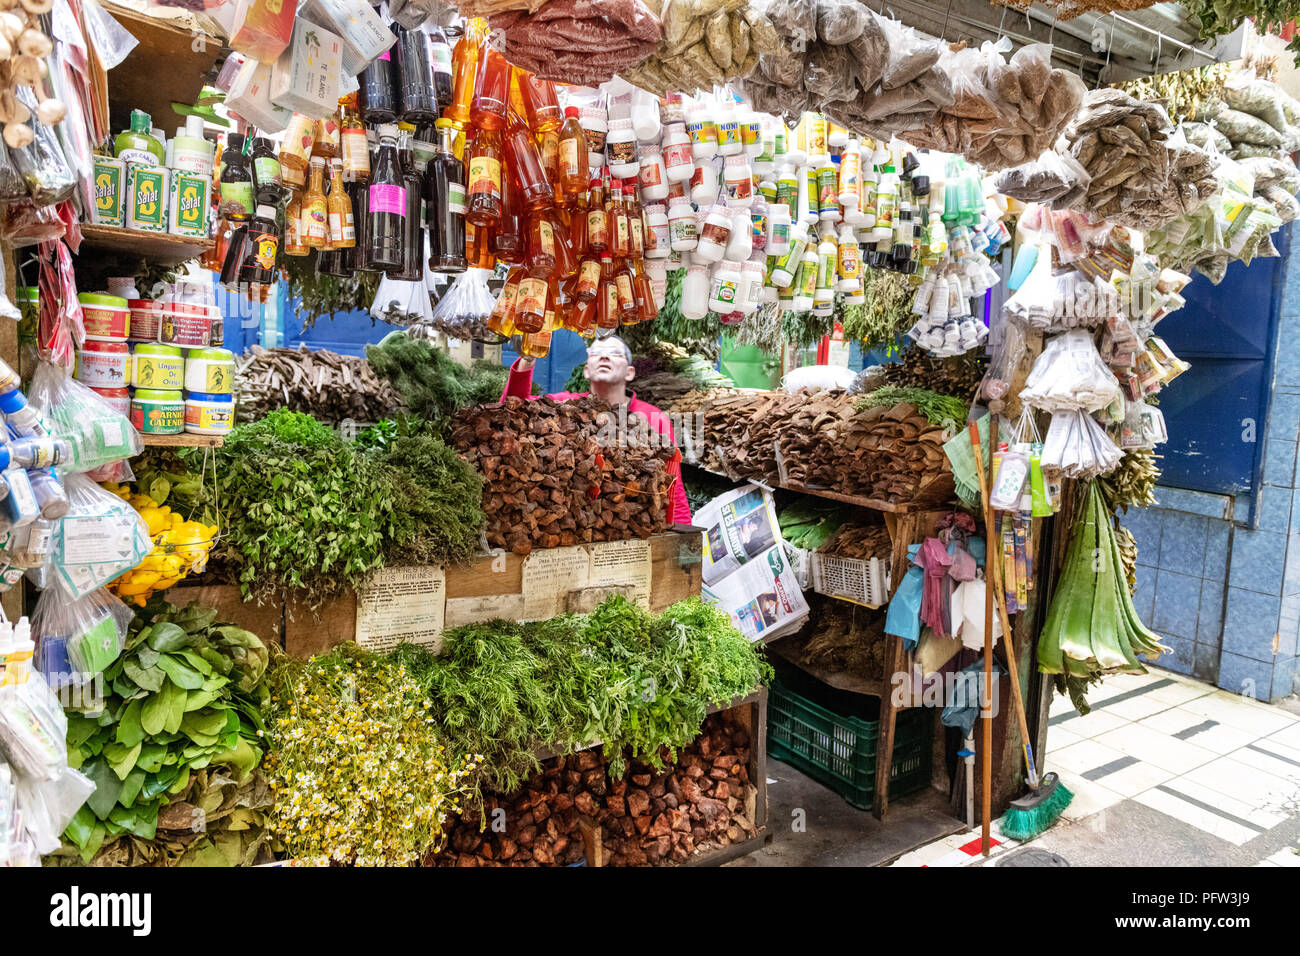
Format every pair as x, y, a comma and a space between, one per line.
1216, 411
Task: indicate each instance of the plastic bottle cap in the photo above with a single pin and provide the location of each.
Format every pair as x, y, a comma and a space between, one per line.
568, 111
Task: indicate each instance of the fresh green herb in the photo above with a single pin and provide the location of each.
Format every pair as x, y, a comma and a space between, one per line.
937, 409
186, 694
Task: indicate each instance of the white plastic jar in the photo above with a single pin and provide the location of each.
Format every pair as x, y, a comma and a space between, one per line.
740, 244
805, 284
645, 118
714, 235
682, 232
657, 239
703, 130
729, 143
620, 145
752, 286
751, 130
725, 287
651, 177
787, 267
739, 180
679, 160
706, 181
657, 272
595, 124
695, 291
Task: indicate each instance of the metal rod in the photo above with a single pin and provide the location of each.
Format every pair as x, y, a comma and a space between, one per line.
1157, 33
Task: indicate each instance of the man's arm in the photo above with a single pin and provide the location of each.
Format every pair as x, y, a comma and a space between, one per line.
520, 382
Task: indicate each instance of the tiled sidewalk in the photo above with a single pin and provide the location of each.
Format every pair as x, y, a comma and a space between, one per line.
1221, 771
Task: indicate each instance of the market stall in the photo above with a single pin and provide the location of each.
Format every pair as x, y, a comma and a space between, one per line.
592, 615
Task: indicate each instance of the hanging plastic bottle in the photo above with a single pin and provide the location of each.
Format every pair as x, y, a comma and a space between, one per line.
827, 254
806, 282
683, 230
651, 176
679, 159
714, 235
849, 261
740, 243
739, 181
850, 179
465, 61
788, 264
386, 207
703, 130
695, 291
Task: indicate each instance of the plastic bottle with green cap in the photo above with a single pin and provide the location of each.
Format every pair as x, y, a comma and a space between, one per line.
137, 144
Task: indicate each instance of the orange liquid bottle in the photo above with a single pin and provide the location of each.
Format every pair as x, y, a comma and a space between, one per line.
588, 282
530, 304
635, 222
620, 233
572, 158
566, 263
502, 319
315, 209
540, 103
534, 187
478, 246
607, 298
540, 261
464, 70
582, 317
484, 192
343, 230
597, 219
508, 241
644, 294
627, 313
491, 90
576, 222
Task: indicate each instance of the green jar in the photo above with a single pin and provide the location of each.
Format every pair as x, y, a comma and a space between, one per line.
157, 366
28, 300
158, 411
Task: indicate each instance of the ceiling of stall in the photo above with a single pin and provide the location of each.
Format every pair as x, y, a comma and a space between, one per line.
1105, 48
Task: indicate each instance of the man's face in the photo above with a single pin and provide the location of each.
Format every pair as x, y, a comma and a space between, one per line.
607, 364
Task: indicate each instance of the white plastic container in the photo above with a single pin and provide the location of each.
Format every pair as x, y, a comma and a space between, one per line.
826, 256
645, 117
725, 288
657, 271
741, 243
652, 176
809, 208
703, 130
850, 177
787, 266
620, 146
778, 229
695, 291
729, 143
805, 292
658, 242
751, 130
714, 235
679, 160
706, 181
827, 190
752, 286
682, 231
848, 262
739, 180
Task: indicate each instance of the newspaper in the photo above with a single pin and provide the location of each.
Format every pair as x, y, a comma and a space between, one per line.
746, 570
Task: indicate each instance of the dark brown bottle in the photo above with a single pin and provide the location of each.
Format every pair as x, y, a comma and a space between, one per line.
416, 98
447, 217
260, 246
386, 211
377, 95
413, 241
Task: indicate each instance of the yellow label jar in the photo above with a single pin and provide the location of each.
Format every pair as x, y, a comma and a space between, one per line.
158, 366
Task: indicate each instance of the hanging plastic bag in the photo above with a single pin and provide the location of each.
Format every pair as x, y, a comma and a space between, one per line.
48, 806
33, 729
100, 537
99, 434
12, 186
91, 630
42, 164
464, 309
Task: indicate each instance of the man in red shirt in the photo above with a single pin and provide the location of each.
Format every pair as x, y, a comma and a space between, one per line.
609, 369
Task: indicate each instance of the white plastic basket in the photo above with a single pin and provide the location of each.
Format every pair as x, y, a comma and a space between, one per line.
851, 579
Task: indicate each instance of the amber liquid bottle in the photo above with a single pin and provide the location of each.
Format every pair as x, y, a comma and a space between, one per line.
530, 304
315, 208
464, 70
491, 90
541, 247
502, 319
485, 199
572, 158
343, 230
620, 238
534, 186
355, 145
509, 241
597, 219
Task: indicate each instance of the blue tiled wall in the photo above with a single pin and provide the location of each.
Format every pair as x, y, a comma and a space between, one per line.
1218, 577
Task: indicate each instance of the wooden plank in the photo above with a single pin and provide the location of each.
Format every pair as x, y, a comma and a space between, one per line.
160, 247
264, 620
12, 600
592, 848
184, 440
308, 631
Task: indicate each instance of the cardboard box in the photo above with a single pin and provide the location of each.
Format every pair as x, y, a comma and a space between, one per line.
262, 28
361, 29
306, 77
250, 97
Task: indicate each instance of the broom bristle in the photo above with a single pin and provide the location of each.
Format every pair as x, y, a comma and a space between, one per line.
1021, 825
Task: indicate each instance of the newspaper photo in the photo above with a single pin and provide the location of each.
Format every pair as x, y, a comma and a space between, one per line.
746, 570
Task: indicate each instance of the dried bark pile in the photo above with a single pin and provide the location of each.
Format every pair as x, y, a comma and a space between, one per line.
324, 384
856, 539
888, 453
703, 800
558, 474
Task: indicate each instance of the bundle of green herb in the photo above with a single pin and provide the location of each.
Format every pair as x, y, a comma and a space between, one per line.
937, 409
186, 694
431, 382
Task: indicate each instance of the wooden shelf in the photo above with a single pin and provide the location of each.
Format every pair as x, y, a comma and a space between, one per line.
837, 679
176, 49
161, 247
874, 504
185, 440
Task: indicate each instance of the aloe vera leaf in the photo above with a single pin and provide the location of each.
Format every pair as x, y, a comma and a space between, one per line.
1050, 657
1109, 636
1076, 636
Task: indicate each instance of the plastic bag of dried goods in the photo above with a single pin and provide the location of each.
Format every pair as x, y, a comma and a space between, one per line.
827, 73
1244, 128
910, 54
841, 21
1245, 92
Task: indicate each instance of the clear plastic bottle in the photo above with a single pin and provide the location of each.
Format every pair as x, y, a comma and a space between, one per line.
714, 235
682, 230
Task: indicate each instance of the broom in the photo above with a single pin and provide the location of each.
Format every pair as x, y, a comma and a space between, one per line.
1030, 815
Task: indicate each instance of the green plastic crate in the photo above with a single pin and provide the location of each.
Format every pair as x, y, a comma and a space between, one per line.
840, 751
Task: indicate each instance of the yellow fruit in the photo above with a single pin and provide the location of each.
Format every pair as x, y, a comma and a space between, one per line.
137, 583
